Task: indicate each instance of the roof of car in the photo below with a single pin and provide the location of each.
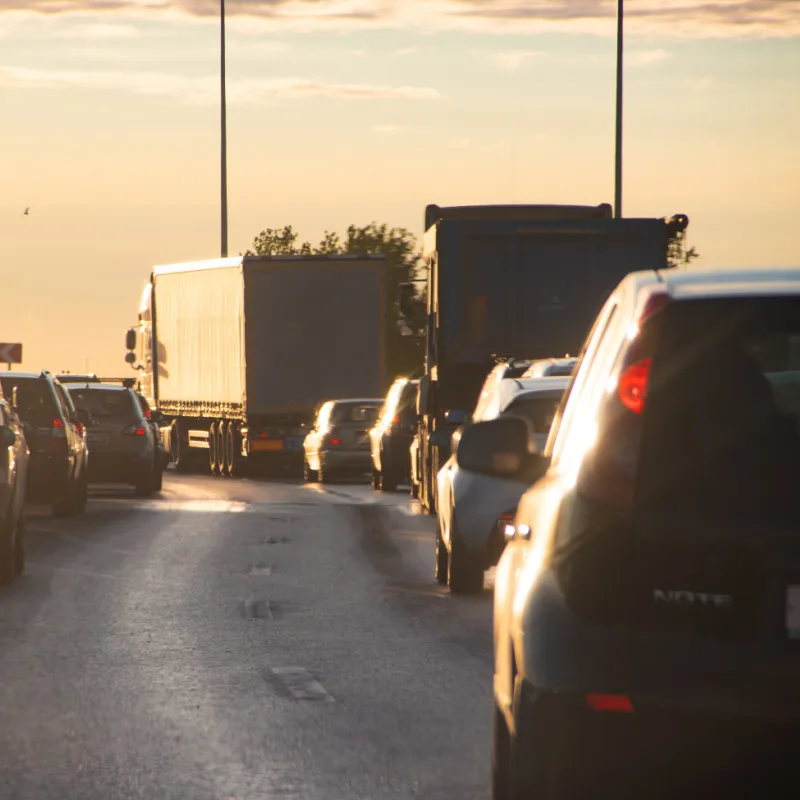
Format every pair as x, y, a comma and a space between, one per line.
25, 375
509, 389
355, 400
100, 387
730, 282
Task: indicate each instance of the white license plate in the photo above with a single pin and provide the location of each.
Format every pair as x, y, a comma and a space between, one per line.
793, 612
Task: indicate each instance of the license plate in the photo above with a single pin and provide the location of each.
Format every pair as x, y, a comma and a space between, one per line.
99, 439
793, 612
293, 443
266, 445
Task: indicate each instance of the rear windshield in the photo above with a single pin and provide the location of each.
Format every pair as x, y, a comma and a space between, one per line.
35, 401
721, 431
106, 405
539, 410
365, 413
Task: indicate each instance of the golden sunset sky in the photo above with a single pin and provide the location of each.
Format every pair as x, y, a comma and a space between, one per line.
348, 111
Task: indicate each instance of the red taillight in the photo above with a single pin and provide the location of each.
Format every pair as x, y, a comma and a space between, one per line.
263, 435
632, 385
396, 421
80, 428
57, 423
147, 413
508, 516
134, 430
609, 702
334, 442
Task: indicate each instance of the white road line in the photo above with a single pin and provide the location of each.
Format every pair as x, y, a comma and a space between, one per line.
301, 685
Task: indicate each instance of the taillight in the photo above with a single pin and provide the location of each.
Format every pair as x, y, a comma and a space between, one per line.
59, 431
334, 442
147, 413
632, 385
134, 430
609, 702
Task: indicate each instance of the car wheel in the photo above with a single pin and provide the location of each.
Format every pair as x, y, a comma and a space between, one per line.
67, 504
376, 479
442, 557
158, 479
83, 496
464, 574
309, 475
179, 449
146, 484
19, 546
7, 553
326, 475
501, 746
531, 752
414, 490
388, 481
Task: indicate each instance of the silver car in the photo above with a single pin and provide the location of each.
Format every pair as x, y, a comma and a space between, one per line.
470, 507
122, 446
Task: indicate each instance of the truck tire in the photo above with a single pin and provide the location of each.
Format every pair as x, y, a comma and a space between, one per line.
179, 448
442, 558
231, 456
213, 449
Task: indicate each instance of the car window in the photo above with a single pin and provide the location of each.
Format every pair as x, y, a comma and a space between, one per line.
36, 403
364, 413
324, 416
721, 436
106, 405
539, 410
67, 407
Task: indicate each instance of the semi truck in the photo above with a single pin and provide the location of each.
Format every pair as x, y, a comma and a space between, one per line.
236, 354
514, 281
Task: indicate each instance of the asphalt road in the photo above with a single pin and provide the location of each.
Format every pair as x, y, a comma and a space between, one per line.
237, 640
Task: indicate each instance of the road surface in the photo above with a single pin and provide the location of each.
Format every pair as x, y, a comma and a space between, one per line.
241, 639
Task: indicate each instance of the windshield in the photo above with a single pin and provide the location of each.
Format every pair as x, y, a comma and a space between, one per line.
539, 410
35, 401
362, 413
106, 405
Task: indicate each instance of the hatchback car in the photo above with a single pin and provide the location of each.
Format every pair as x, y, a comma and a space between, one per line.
338, 444
56, 436
647, 605
393, 434
122, 445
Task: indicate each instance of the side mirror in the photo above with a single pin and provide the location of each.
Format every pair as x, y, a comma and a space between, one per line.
455, 416
130, 358
502, 448
130, 340
441, 437
7, 436
406, 299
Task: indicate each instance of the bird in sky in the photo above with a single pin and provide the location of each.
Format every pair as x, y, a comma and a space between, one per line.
27, 211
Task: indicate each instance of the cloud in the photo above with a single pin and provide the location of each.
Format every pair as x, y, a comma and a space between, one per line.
512, 60
98, 31
644, 58
694, 18
205, 90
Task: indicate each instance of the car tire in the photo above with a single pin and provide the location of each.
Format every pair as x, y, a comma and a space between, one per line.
309, 475
531, 752
146, 484
376, 479
414, 490
158, 479
325, 475
19, 546
67, 504
82, 496
388, 481
179, 450
464, 573
7, 552
442, 558
501, 752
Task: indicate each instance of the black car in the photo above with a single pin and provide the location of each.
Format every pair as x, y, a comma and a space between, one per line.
393, 434
647, 604
56, 436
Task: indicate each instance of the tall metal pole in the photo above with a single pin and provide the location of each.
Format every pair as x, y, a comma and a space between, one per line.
618, 159
224, 135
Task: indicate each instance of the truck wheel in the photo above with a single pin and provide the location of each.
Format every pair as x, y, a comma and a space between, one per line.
309, 475
376, 479
179, 449
213, 449
222, 434
442, 557
231, 456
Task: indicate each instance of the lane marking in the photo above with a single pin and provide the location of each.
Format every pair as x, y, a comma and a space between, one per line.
202, 506
301, 685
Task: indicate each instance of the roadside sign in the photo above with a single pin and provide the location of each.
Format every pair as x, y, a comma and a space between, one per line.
10, 353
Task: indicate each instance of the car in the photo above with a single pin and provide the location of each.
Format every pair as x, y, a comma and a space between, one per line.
338, 442
14, 458
507, 368
413, 454
469, 505
393, 434
56, 436
551, 367
123, 448
647, 603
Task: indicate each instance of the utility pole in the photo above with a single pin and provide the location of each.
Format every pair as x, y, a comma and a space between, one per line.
618, 158
224, 135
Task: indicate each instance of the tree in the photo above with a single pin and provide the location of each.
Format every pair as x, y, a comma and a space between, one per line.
677, 254
403, 264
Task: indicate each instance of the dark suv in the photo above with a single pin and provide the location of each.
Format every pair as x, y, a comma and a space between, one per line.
647, 605
56, 436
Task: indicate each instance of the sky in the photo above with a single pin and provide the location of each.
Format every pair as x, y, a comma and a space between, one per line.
349, 111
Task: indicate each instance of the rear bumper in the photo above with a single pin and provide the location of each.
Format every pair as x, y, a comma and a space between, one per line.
119, 467
347, 459
396, 455
658, 750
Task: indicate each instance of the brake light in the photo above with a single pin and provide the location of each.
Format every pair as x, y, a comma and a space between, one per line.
396, 421
59, 431
134, 430
147, 413
334, 442
609, 702
632, 385
57, 423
